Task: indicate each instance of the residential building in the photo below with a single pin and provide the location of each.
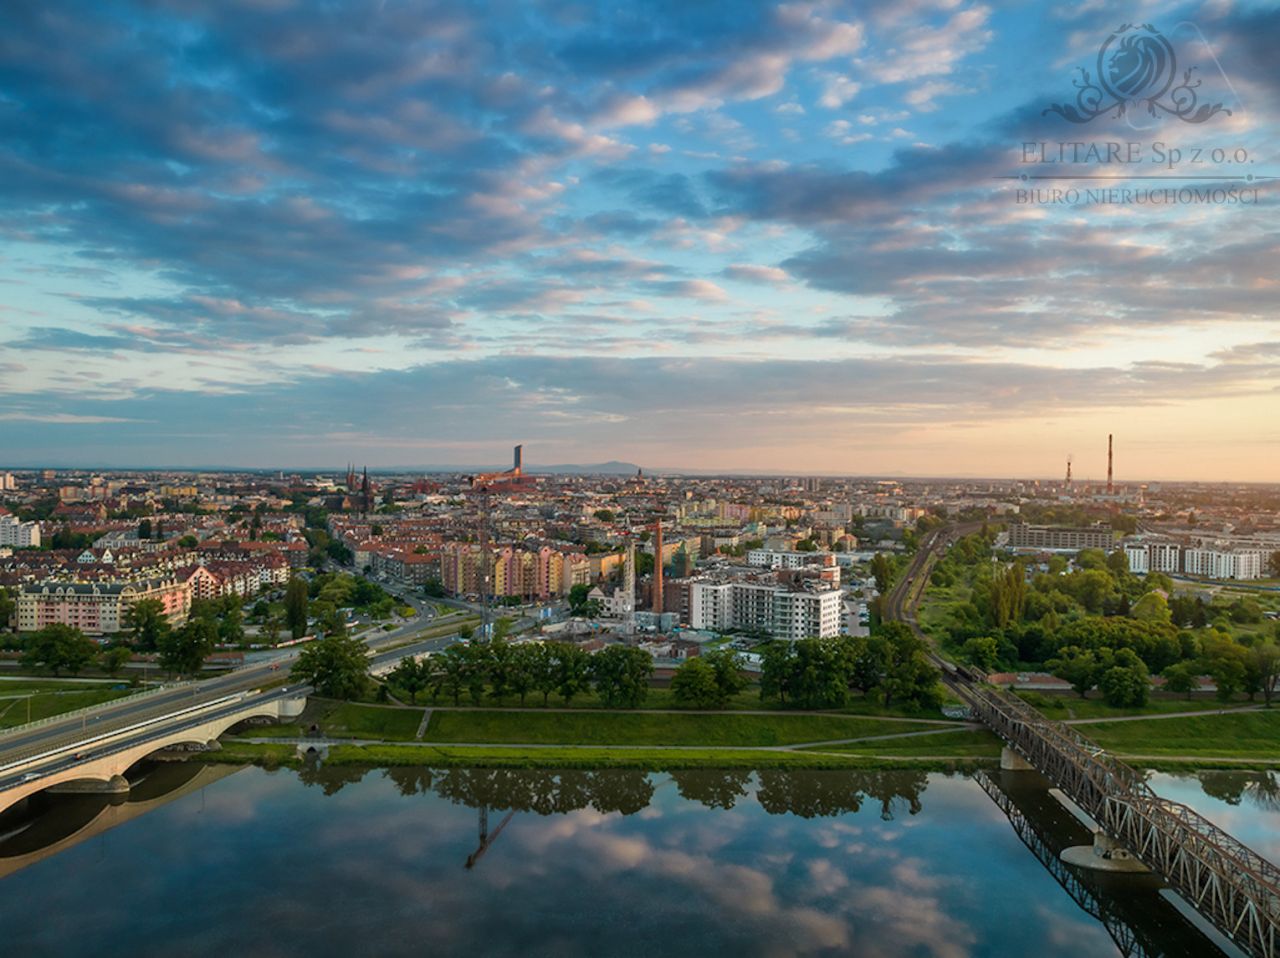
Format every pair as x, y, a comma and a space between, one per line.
1059, 538
97, 608
19, 535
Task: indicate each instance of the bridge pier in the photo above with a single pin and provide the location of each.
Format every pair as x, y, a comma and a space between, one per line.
1105, 855
115, 785
1011, 761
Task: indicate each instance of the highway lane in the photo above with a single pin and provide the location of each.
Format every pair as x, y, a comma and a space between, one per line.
131, 710
161, 728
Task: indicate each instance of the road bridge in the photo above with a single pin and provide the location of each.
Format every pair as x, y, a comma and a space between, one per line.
94, 747
1231, 886
100, 759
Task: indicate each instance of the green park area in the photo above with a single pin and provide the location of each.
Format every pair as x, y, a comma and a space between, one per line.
22, 702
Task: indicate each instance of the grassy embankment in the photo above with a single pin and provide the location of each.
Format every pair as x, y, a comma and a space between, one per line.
44, 704
686, 740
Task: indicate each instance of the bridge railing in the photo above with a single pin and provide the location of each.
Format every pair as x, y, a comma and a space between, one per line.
88, 709
1228, 882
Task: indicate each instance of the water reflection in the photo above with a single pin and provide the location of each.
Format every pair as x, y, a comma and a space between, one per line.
1258, 789
806, 793
340, 861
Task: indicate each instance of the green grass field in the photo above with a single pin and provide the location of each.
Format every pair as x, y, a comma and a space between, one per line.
639, 728
25, 686
598, 758
43, 705
661, 698
1063, 707
1243, 735
976, 743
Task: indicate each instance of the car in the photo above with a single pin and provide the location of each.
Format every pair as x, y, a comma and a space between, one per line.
29, 777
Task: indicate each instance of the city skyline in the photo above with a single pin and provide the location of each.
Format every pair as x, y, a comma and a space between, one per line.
773, 238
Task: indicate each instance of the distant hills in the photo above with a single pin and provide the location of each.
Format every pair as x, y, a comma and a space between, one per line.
611, 468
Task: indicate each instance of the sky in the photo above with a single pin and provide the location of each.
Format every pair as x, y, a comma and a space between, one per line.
785, 237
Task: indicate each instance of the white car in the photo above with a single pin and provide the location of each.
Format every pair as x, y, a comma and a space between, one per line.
29, 777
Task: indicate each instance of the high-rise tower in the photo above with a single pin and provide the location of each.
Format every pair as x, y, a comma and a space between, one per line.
629, 590
657, 568
1110, 487
1068, 483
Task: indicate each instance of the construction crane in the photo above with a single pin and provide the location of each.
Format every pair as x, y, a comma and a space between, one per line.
483, 484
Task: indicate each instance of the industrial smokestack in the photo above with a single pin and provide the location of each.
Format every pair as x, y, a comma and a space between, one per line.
657, 568
1110, 462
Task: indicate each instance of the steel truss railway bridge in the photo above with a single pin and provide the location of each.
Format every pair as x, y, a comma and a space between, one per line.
1231, 886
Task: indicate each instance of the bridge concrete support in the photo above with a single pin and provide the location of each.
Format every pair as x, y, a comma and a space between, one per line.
1105, 855
107, 764
115, 785
1011, 761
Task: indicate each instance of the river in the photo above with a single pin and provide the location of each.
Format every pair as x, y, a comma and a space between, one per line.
218, 861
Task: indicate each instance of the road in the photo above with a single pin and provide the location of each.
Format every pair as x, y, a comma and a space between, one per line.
270, 667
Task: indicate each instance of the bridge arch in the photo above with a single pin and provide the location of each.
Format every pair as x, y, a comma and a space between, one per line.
111, 765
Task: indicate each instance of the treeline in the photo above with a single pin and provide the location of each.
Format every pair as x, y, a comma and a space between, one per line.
806, 793
824, 673
1099, 625
499, 671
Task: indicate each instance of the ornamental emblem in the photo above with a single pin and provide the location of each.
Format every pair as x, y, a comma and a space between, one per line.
1137, 65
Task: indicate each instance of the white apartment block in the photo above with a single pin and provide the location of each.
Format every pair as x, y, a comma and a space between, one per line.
1224, 564
19, 535
771, 559
804, 615
783, 613
1165, 557
1212, 560
1139, 559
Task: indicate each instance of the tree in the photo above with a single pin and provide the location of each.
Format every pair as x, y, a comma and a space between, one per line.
7, 607
572, 670
1225, 661
882, 571
1126, 684
57, 647
498, 663
188, 542
337, 666
909, 677
113, 659
231, 623
1152, 607
1008, 596
578, 598
728, 668
1265, 659
451, 676
1181, 678
295, 607
183, 651
522, 674
412, 676
776, 667
1273, 564
144, 529
621, 675
983, 651
694, 685
1080, 667
147, 624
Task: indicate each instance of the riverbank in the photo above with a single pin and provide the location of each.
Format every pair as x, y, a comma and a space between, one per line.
658, 741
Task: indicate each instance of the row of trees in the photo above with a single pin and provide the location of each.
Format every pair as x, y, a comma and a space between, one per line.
619, 675
823, 673
60, 648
